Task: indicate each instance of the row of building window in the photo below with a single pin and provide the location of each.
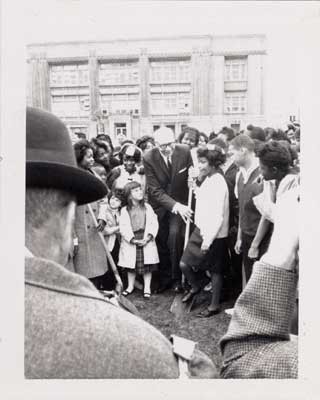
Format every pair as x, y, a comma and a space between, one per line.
170, 88
128, 73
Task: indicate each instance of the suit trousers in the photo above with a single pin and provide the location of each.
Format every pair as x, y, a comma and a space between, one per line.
246, 241
170, 241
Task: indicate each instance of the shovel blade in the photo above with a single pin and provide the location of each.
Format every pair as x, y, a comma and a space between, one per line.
178, 308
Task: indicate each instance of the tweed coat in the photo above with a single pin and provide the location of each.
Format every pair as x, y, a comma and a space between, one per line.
72, 331
166, 187
127, 253
90, 259
257, 343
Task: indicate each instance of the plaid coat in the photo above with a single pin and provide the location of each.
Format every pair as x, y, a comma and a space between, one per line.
257, 343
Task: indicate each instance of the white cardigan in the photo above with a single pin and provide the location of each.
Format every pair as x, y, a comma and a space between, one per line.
212, 208
127, 253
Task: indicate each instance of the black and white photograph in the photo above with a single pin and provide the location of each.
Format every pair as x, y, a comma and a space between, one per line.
159, 196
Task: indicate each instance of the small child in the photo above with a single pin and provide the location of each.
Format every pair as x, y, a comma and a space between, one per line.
138, 229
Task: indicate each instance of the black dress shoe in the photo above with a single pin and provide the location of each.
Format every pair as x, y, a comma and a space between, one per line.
189, 296
206, 313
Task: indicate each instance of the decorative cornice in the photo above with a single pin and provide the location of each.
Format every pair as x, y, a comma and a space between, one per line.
150, 39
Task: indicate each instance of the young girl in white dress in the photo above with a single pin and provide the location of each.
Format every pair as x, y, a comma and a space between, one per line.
138, 229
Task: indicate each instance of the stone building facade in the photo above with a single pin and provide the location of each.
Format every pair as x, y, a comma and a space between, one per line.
135, 86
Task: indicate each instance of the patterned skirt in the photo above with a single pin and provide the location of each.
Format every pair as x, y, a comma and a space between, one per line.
142, 268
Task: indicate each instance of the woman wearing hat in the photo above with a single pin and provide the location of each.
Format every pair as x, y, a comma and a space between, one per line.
90, 258
129, 171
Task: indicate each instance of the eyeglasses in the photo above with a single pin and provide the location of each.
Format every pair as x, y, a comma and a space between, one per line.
165, 145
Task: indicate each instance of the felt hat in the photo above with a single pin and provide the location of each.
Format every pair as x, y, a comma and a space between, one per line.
50, 159
164, 135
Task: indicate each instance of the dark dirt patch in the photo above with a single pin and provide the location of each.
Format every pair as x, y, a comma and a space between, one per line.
205, 331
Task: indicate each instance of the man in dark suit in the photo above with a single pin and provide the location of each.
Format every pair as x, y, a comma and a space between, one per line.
166, 168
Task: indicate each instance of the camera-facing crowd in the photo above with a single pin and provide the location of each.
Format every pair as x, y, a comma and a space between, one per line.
188, 214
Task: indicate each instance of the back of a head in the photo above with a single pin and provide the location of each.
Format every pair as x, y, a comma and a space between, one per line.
257, 133
219, 142
275, 154
228, 132
243, 141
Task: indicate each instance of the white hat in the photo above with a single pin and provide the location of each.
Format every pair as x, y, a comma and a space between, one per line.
164, 135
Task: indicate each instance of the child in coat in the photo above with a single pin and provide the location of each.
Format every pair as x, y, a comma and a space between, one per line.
138, 229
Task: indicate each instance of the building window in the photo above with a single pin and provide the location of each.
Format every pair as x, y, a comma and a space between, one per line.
69, 89
235, 102
119, 87
119, 73
69, 75
170, 87
170, 71
235, 69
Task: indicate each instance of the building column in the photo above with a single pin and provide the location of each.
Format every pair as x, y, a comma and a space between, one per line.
254, 85
217, 97
39, 85
195, 82
93, 83
144, 83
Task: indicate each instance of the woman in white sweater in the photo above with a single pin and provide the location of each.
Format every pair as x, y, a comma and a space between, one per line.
207, 248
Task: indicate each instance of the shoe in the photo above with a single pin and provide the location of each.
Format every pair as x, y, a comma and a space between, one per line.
208, 287
206, 313
147, 295
189, 296
125, 293
177, 288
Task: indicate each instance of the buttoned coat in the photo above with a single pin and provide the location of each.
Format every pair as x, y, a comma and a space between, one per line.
90, 259
166, 187
127, 253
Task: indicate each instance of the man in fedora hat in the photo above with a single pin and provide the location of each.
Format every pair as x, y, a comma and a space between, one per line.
71, 330
166, 168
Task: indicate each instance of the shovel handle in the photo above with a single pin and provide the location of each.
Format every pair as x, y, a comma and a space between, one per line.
109, 256
186, 237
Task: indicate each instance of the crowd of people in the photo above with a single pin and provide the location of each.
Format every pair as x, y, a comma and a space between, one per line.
226, 187
235, 178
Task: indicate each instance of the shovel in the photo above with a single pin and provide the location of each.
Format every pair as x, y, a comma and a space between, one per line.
178, 308
117, 294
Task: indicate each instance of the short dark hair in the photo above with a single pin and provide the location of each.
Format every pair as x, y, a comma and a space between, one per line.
215, 157
257, 133
219, 142
244, 141
143, 140
80, 149
205, 137
118, 193
189, 129
107, 138
275, 154
229, 132
127, 191
279, 135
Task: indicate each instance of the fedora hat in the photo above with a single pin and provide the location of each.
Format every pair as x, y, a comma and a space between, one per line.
50, 159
